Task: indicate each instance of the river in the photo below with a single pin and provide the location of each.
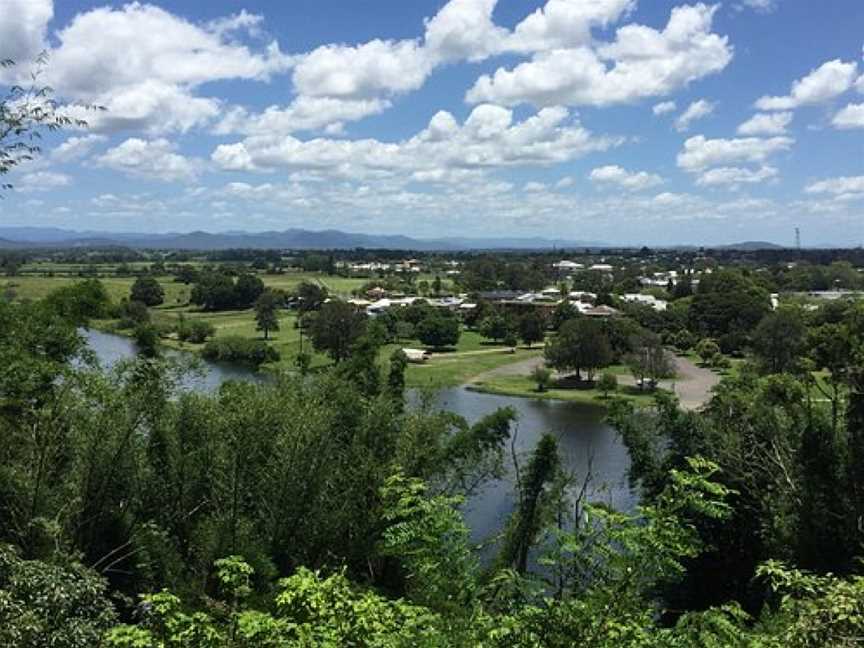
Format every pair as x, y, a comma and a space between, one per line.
585, 441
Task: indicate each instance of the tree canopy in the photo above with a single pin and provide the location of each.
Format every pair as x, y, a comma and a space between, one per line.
580, 345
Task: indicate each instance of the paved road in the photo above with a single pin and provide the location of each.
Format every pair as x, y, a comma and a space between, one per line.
692, 385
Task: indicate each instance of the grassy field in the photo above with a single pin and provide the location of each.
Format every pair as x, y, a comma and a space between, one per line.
446, 369
35, 287
34, 281
524, 387
452, 369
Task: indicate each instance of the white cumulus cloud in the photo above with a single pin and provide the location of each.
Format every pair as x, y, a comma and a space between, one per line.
146, 65
566, 24
619, 177
75, 148
155, 159
695, 111
23, 24
302, 114
837, 186
42, 181
664, 107
641, 62
826, 82
700, 153
852, 116
766, 124
761, 6
736, 176
488, 138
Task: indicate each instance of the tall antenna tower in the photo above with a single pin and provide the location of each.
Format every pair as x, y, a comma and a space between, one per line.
798, 239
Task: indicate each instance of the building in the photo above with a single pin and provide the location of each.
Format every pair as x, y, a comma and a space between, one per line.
565, 267
602, 311
602, 267
646, 300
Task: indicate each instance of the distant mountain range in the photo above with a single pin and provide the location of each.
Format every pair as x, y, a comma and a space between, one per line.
752, 245
295, 239
300, 239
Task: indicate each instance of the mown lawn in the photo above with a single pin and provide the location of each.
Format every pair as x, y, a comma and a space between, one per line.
524, 387
450, 370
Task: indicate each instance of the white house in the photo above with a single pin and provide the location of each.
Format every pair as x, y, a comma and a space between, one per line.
567, 266
646, 300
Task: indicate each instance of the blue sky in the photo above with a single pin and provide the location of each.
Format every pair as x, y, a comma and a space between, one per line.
619, 120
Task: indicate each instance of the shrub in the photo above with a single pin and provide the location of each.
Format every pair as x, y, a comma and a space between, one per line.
404, 330
240, 349
196, 331
683, 340
148, 291
132, 314
719, 361
608, 382
542, 376
707, 349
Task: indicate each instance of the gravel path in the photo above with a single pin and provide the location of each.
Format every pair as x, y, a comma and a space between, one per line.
692, 385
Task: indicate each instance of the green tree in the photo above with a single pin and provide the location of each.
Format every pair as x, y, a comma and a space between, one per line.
706, 349
267, 313
532, 328
563, 312
728, 305
496, 326
242, 350
336, 327
649, 361
147, 340
214, 291
779, 339
534, 500
44, 604
148, 291
580, 345
439, 330
396, 375
80, 302
311, 296
247, 290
